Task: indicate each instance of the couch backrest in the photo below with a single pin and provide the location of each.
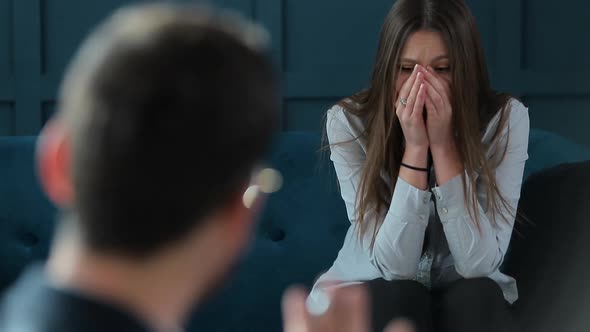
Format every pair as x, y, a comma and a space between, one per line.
547, 150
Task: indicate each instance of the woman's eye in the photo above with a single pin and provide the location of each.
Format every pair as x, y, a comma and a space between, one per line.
442, 69
407, 69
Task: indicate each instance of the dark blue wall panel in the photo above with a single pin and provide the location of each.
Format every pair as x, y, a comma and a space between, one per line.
535, 49
6, 118
6, 35
555, 36
6, 69
306, 114
65, 24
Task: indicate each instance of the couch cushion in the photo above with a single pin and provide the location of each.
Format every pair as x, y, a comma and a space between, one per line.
26, 216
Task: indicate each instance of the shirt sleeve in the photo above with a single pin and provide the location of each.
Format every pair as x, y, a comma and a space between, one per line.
398, 242
478, 252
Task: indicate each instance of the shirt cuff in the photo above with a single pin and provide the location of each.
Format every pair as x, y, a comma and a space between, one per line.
410, 203
450, 199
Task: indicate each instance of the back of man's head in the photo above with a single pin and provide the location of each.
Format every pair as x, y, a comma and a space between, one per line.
168, 109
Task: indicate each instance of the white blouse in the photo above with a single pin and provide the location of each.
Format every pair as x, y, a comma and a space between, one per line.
457, 248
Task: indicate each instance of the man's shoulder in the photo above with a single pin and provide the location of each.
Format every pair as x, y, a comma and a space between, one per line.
33, 305
20, 303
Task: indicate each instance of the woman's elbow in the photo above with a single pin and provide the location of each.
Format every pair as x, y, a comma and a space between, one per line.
399, 270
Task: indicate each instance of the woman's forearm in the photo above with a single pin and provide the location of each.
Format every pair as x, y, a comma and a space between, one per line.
417, 157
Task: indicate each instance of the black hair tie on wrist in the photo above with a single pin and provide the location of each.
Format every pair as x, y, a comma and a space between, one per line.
419, 169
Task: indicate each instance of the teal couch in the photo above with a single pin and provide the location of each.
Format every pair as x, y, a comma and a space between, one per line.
298, 236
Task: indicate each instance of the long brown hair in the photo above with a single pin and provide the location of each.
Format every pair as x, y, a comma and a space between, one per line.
473, 100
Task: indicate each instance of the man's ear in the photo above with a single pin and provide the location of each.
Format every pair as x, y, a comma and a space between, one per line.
53, 163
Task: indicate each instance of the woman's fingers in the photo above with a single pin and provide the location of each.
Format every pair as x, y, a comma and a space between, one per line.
420, 99
439, 84
435, 101
407, 86
430, 108
414, 93
410, 114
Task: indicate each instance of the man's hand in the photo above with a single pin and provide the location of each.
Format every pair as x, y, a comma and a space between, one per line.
348, 312
399, 326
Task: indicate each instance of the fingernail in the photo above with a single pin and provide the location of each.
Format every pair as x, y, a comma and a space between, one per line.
399, 325
319, 305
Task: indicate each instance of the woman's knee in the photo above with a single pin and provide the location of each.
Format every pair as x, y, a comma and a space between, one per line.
479, 285
483, 291
399, 289
400, 299
475, 305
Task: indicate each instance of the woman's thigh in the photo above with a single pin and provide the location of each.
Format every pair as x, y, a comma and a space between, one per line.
473, 305
400, 299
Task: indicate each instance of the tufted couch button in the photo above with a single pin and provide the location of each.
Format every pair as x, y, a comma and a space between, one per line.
276, 235
29, 239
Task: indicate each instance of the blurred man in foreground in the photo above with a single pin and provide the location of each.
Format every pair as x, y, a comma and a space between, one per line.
164, 115
152, 158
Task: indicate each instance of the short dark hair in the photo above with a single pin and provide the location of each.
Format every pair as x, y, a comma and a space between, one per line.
170, 108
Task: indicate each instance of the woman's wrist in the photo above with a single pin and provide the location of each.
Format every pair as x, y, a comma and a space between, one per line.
448, 148
416, 156
447, 163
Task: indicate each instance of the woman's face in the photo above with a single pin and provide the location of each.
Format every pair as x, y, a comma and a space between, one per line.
426, 48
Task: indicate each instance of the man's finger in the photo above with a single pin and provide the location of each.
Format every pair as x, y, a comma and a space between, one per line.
400, 326
351, 310
295, 316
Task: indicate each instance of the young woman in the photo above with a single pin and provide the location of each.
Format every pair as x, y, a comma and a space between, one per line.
430, 162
